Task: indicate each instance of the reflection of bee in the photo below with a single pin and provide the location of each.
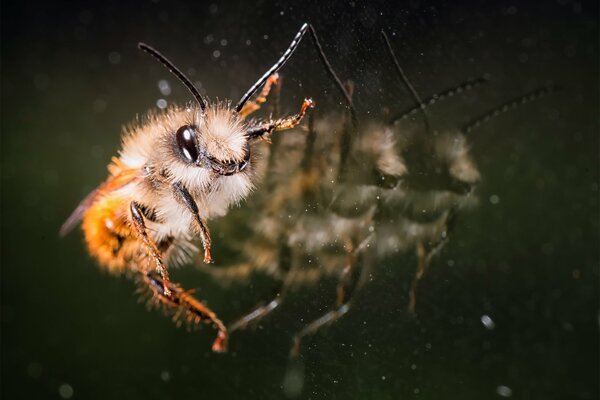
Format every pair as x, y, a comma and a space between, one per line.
176, 170
345, 196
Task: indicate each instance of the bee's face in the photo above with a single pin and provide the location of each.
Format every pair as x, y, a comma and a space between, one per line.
217, 142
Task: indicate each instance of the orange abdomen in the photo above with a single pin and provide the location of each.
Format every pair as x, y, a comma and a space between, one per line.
108, 235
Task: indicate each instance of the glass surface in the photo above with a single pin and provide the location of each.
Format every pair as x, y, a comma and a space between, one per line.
508, 306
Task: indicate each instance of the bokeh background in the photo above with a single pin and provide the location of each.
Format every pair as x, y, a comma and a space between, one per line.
528, 259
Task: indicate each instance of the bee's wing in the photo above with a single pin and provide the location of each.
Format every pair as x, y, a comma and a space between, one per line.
113, 183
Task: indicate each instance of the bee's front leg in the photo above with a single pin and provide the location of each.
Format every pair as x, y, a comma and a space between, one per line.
137, 222
185, 198
264, 129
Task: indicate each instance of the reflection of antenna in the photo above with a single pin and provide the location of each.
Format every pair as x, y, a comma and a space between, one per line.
332, 74
458, 89
410, 87
510, 105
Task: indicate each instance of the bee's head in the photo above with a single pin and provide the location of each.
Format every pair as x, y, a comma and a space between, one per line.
217, 141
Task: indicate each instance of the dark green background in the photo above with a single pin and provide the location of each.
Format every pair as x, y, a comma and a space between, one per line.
530, 261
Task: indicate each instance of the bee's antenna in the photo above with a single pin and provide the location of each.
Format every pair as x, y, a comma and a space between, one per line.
282, 60
175, 71
461, 87
510, 105
417, 98
286, 56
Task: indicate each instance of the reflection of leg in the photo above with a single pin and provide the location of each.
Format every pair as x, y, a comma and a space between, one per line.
285, 266
423, 261
254, 105
183, 306
424, 256
256, 315
343, 298
315, 325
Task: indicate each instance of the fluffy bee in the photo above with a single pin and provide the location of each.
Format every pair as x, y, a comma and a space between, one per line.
176, 170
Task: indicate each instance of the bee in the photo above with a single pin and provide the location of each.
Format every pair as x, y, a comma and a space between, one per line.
176, 170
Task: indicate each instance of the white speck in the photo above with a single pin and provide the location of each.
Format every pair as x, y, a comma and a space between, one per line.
223, 42
216, 54
65, 391
383, 378
416, 391
161, 103
450, 263
248, 42
413, 367
281, 13
494, 199
265, 37
114, 57
503, 391
165, 376
487, 322
164, 87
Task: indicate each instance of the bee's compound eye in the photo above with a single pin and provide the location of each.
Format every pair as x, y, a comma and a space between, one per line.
186, 141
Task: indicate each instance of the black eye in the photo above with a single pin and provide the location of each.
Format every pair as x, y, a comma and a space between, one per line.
186, 141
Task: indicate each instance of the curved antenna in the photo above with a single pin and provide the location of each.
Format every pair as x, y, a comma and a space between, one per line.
175, 71
447, 93
509, 105
282, 60
286, 56
416, 97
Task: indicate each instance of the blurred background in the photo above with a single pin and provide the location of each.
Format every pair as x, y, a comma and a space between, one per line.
525, 259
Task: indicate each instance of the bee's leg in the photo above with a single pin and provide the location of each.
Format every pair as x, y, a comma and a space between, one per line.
343, 298
266, 128
184, 306
137, 221
253, 105
184, 197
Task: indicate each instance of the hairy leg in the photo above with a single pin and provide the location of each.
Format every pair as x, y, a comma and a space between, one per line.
183, 306
254, 105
